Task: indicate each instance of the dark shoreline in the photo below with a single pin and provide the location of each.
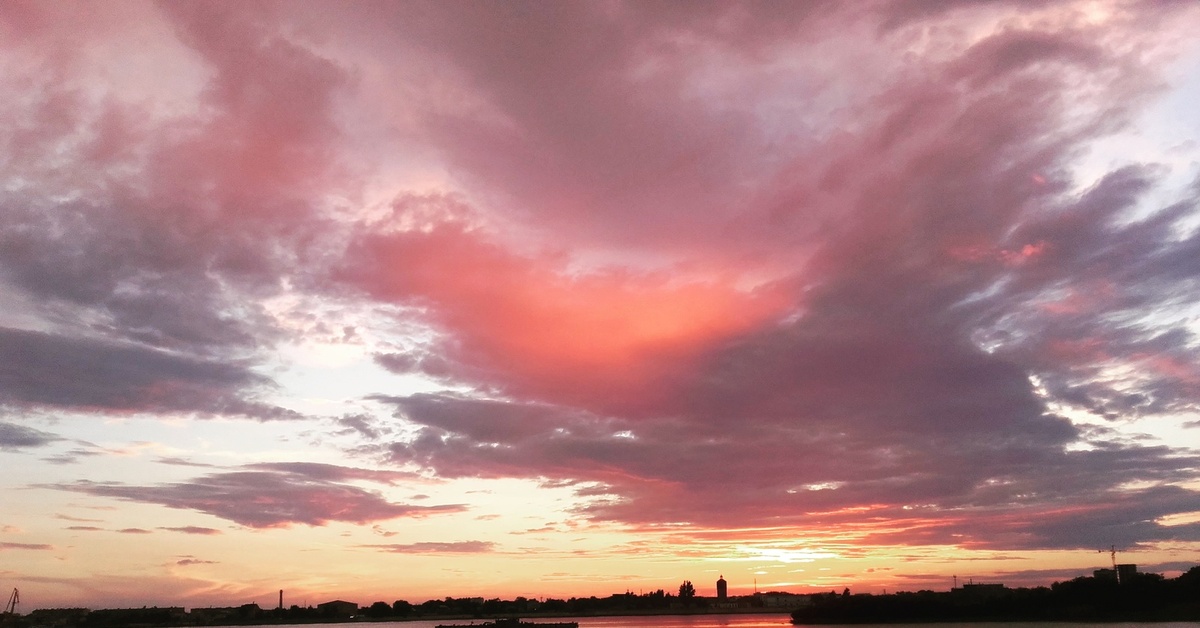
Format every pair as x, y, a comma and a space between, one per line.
1103, 598
1135, 598
145, 617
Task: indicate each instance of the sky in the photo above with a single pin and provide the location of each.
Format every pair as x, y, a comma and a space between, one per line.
406, 300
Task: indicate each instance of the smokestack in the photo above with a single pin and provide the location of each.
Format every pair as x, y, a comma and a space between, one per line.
281, 599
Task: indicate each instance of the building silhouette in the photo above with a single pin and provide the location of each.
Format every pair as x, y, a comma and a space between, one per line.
722, 589
1105, 574
338, 608
1126, 573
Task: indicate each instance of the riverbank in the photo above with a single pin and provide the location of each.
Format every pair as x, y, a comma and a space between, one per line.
1136, 598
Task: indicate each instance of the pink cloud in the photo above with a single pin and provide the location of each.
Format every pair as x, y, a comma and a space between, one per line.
188, 173
535, 328
874, 383
79, 519
4, 546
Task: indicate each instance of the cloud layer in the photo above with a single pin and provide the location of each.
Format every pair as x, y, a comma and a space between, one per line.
861, 273
14, 437
951, 291
271, 496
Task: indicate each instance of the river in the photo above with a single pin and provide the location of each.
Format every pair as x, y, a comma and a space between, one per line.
740, 621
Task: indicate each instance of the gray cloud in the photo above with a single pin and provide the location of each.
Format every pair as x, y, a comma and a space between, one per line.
4, 546
14, 437
148, 245
200, 530
457, 547
187, 562
42, 369
287, 494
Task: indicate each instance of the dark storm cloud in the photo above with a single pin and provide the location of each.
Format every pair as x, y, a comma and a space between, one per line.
272, 495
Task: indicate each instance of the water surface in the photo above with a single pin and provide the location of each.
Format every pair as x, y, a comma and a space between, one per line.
739, 621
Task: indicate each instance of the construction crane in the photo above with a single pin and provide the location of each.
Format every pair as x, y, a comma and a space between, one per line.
1122, 572
13, 600
1112, 551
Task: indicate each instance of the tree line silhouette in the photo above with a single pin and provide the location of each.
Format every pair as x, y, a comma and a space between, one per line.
658, 601
1142, 597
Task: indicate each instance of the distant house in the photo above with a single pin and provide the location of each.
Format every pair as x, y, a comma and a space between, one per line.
338, 608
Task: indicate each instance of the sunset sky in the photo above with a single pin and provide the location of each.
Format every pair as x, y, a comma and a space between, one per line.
407, 300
